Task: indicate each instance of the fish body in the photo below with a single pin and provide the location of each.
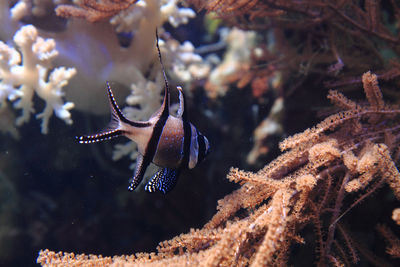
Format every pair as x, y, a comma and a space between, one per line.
170, 142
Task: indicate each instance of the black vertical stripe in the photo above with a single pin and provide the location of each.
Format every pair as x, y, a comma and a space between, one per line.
159, 126
202, 148
150, 151
154, 139
187, 140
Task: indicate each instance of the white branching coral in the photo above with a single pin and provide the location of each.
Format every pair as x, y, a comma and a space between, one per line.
235, 62
37, 8
145, 98
20, 78
183, 63
135, 19
176, 15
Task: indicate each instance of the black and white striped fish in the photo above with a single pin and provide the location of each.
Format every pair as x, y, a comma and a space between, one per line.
171, 142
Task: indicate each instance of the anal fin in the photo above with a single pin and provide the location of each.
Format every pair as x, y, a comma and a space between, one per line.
164, 180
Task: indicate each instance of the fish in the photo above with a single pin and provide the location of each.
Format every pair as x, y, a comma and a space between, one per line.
171, 142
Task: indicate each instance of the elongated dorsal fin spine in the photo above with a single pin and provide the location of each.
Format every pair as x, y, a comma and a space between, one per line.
165, 105
182, 105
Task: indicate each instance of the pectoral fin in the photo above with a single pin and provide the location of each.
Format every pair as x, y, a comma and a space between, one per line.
164, 180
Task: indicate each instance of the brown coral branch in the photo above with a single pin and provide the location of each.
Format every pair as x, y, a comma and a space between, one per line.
94, 10
369, 30
391, 239
306, 38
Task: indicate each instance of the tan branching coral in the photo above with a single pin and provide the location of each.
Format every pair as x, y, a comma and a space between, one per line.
257, 224
396, 215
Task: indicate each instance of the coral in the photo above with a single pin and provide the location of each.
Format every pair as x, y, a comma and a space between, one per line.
184, 64
36, 8
125, 14
236, 61
27, 72
394, 242
246, 61
298, 45
396, 215
131, 65
127, 66
254, 8
369, 31
311, 12
256, 224
270, 126
93, 10
176, 15
127, 20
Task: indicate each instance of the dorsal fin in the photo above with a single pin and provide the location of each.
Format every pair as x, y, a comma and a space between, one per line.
182, 105
116, 113
165, 105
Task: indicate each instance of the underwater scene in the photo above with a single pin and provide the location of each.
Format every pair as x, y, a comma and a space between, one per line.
199, 133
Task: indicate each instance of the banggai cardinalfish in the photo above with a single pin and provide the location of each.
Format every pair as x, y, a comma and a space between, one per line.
171, 142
